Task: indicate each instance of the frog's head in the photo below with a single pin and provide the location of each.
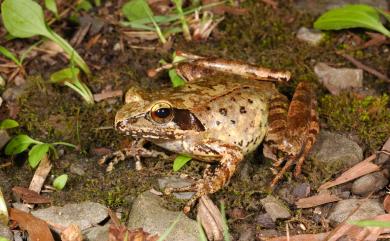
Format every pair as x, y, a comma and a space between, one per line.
142, 117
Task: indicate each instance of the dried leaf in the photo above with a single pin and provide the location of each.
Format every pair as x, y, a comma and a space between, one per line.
37, 229
362, 168
107, 94
72, 233
122, 233
313, 201
386, 203
30, 196
211, 218
376, 40
40, 175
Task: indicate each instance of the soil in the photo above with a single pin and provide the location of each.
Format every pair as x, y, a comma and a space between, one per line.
262, 35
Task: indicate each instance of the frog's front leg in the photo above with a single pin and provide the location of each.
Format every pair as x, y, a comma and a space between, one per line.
196, 67
229, 156
135, 150
293, 130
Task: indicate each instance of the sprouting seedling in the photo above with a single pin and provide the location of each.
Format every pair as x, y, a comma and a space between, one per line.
353, 16
21, 143
25, 19
18, 61
8, 124
60, 182
71, 77
183, 21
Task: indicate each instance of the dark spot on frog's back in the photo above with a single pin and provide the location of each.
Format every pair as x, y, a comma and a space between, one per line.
186, 120
242, 110
223, 111
250, 101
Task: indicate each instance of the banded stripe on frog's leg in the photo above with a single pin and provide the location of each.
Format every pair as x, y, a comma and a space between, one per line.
301, 129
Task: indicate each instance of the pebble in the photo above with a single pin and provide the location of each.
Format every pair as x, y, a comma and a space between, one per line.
275, 208
85, 214
146, 212
369, 208
311, 36
77, 169
338, 79
4, 138
98, 233
13, 93
265, 221
369, 183
176, 182
333, 152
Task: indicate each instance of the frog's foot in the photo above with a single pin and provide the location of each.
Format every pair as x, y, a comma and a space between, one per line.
136, 150
292, 131
212, 180
197, 66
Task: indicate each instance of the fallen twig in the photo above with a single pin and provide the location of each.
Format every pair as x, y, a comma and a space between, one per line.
364, 67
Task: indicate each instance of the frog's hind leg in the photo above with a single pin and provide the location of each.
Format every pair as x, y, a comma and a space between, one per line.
293, 131
197, 66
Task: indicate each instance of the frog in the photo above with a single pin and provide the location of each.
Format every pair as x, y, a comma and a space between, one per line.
224, 112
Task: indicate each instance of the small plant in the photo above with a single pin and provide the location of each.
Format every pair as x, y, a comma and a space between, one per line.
353, 16
141, 17
20, 143
60, 182
25, 19
52, 6
371, 223
71, 77
8, 124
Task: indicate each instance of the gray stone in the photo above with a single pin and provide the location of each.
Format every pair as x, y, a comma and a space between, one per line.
85, 214
275, 208
317, 7
98, 233
369, 183
77, 169
338, 79
147, 213
5, 232
369, 208
265, 221
4, 138
175, 182
311, 36
334, 152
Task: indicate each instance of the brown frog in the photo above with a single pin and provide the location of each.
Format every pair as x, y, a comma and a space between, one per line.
224, 112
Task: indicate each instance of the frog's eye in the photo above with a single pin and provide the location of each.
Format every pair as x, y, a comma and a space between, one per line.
161, 113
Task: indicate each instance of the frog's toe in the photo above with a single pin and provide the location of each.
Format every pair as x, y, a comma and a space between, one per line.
111, 159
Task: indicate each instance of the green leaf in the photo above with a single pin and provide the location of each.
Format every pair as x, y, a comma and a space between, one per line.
18, 144
36, 154
67, 74
84, 5
180, 161
9, 55
23, 18
52, 6
175, 78
60, 182
136, 9
351, 16
3, 239
371, 223
8, 124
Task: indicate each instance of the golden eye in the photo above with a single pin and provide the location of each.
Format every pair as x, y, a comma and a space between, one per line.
161, 112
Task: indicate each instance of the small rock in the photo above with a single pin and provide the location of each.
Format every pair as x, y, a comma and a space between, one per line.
13, 93
77, 169
275, 208
369, 183
147, 213
301, 190
337, 80
313, 37
369, 208
175, 182
6, 232
98, 233
333, 152
85, 215
4, 138
265, 221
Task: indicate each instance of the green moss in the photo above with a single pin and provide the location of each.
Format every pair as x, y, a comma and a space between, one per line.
367, 117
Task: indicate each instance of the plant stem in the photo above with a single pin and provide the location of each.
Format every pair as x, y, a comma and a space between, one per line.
186, 29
